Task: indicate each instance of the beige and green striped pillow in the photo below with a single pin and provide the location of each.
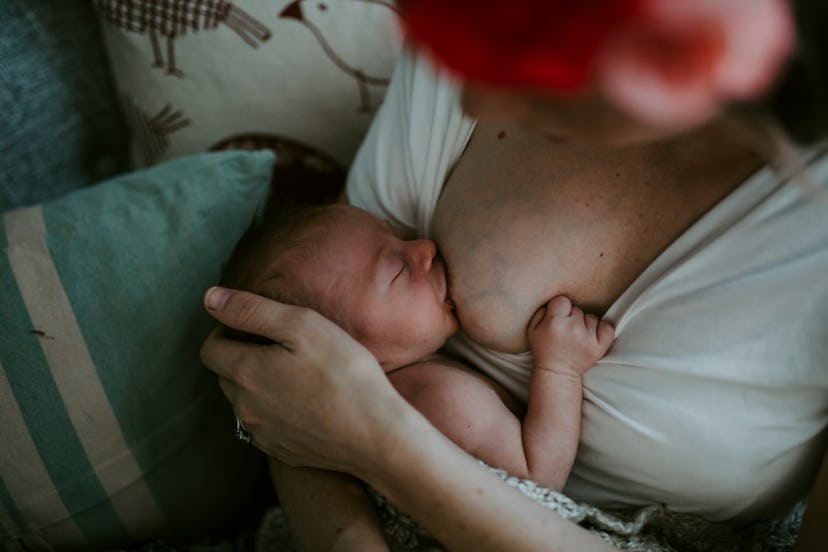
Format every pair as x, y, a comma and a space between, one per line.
111, 431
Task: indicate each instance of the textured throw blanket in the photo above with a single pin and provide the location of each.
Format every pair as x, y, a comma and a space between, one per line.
652, 528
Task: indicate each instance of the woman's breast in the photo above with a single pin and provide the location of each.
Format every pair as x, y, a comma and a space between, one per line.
508, 253
519, 222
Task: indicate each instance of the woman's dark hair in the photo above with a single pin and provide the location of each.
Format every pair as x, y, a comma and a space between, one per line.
799, 101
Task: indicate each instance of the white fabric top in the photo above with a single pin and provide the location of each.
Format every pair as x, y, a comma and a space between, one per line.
714, 397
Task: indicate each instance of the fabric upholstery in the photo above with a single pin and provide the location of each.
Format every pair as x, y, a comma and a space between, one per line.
194, 76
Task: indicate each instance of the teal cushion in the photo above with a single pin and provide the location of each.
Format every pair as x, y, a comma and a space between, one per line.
112, 431
62, 126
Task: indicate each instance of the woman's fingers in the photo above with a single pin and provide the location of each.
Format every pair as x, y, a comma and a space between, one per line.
606, 333
228, 387
251, 313
292, 327
306, 397
225, 356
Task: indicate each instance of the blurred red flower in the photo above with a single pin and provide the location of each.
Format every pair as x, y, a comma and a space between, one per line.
552, 44
667, 62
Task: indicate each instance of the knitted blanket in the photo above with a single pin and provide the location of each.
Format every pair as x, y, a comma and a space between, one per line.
652, 528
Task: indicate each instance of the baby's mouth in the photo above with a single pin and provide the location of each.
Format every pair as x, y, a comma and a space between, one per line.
448, 301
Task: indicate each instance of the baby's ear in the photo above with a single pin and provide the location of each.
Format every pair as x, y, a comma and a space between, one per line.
685, 60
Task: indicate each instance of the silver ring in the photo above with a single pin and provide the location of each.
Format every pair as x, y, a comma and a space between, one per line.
241, 431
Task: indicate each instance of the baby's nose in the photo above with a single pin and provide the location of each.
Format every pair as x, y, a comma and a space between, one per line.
421, 253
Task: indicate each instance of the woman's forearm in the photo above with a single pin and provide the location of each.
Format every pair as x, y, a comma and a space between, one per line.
465, 506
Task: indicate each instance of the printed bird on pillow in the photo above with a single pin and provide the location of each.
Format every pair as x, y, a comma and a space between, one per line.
348, 51
170, 19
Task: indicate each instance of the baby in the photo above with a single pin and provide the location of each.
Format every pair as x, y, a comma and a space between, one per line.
392, 295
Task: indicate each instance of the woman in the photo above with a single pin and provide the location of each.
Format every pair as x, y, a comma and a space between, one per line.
581, 176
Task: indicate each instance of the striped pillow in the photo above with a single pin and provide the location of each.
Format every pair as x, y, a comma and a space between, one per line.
111, 431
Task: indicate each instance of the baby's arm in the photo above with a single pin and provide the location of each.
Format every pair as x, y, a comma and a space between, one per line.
565, 343
482, 417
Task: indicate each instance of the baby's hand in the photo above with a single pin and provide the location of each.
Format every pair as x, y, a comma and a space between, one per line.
565, 340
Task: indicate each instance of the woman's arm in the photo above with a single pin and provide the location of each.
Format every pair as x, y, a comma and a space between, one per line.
318, 399
465, 506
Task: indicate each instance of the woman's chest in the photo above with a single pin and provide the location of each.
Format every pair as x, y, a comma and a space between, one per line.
519, 223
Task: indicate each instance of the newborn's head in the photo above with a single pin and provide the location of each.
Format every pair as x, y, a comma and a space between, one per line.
387, 293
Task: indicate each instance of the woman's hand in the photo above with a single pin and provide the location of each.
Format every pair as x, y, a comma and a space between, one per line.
315, 397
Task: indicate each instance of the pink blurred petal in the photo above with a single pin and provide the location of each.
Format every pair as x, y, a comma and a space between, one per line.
686, 58
758, 37
761, 37
643, 93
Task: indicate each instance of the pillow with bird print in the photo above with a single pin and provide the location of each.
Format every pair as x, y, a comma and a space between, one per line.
192, 74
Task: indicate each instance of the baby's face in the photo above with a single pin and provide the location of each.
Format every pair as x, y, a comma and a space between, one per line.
391, 292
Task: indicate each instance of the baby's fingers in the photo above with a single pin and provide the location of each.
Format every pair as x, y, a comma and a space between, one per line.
537, 318
605, 333
591, 323
559, 306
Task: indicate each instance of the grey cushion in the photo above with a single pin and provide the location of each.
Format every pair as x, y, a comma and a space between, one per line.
60, 125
